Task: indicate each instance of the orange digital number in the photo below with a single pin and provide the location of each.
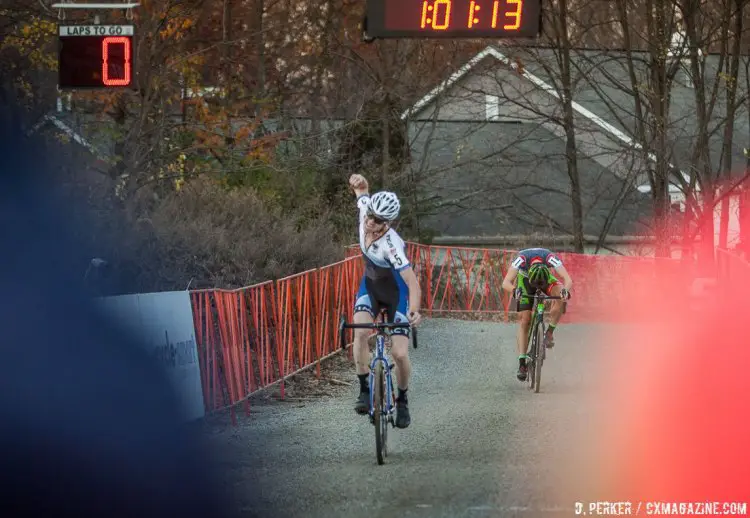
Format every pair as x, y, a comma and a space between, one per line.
431, 16
495, 7
473, 8
116, 81
515, 14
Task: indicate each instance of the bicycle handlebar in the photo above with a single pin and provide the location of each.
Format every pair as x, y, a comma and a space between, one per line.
375, 325
547, 297
378, 325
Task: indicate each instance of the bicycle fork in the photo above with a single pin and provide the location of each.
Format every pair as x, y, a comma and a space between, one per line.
388, 381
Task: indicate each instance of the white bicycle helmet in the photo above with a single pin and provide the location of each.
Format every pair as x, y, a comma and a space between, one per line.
385, 205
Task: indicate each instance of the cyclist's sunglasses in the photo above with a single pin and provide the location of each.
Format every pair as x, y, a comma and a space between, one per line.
376, 219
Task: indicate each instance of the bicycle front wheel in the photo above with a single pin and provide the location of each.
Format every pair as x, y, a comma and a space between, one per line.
531, 355
378, 411
539, 355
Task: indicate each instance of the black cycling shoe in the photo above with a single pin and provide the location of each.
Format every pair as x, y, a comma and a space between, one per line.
403, 419
523, 372
549, 340
362, 406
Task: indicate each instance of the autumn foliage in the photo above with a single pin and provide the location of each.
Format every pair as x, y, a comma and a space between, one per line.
274, 102
228, 164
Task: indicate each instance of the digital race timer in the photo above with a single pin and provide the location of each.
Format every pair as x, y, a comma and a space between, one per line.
453, 18
96, 57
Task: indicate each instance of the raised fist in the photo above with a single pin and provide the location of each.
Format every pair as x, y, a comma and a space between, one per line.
357, 182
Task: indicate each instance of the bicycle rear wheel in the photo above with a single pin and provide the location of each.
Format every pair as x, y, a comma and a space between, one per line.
379, 418
539, 355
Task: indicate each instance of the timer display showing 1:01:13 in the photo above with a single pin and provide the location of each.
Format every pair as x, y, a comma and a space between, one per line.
457, 15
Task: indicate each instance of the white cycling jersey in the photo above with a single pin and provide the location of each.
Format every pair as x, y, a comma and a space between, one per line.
385, 254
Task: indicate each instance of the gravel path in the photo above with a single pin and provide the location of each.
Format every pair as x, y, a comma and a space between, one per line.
480, 443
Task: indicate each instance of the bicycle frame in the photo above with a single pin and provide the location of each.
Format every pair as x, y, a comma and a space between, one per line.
381, 357
383, 414
536, 352
539, 299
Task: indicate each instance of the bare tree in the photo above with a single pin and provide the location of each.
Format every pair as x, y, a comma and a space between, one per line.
734, 13
560, 34
714, 87
644, 95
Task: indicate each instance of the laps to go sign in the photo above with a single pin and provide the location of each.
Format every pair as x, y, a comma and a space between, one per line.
453, 18
96, 57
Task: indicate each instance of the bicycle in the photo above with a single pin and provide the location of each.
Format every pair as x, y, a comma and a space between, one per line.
382, 399
536, 352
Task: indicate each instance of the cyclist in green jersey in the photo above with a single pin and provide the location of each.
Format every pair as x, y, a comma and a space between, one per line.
533, 267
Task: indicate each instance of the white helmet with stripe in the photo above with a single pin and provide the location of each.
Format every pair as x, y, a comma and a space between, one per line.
385, 205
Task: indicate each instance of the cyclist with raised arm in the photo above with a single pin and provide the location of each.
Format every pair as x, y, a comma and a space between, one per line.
388, 283
532, 268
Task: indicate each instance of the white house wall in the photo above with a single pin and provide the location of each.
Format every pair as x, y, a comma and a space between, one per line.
733, 233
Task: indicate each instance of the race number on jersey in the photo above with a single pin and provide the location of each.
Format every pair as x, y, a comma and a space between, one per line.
518, 262
529, 256
553, 261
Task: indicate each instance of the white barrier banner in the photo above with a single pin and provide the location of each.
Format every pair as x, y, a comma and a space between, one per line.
164, 324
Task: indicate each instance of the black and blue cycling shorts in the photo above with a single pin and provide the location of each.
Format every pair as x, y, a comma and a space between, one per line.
385, 293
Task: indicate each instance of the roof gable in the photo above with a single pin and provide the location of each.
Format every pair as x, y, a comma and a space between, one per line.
603, 105
68, 131
490, 178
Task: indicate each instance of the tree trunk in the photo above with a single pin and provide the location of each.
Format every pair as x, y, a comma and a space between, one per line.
734, 68
701, 158
260, 48
386, 133
322, 64
226, 70
660, 34
643, 104
569, 124
119, 115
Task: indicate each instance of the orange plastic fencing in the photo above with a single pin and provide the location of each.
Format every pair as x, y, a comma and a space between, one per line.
257, 336
235, 348
461, 280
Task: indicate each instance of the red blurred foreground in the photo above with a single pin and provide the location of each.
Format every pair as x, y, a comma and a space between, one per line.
677, 421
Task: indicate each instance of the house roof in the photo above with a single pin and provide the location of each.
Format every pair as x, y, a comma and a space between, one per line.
603, 85
495, 178
601, 97
61, 125
523, 72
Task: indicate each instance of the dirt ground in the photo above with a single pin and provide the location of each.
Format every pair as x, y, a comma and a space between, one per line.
336, 378
336, 375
